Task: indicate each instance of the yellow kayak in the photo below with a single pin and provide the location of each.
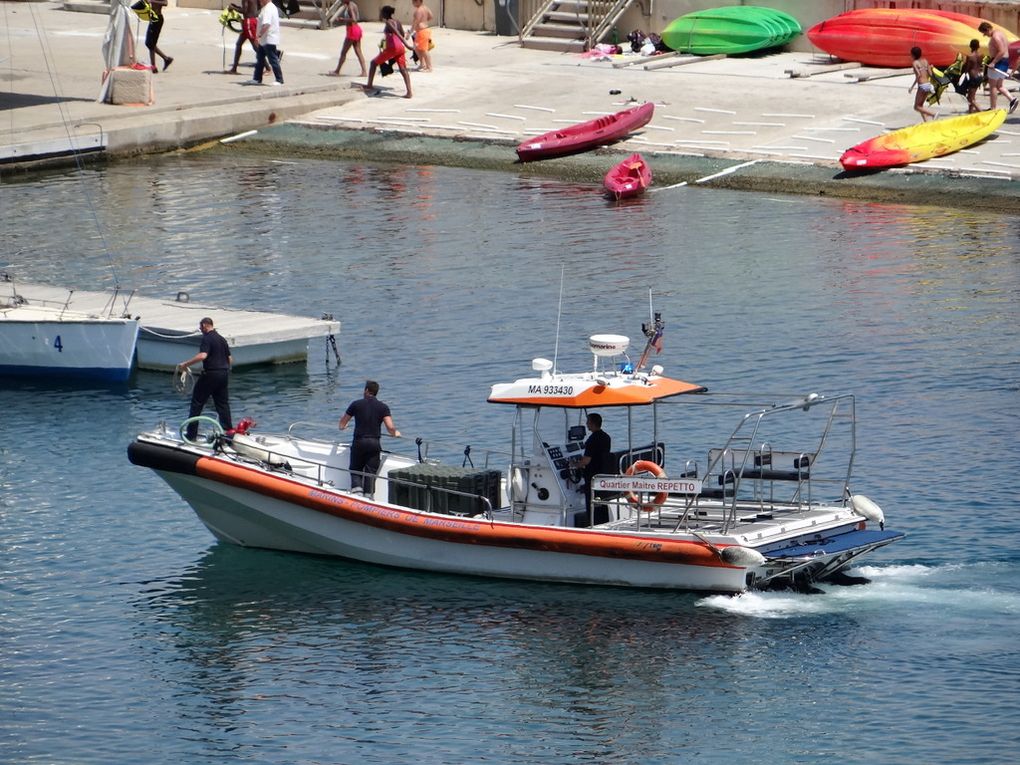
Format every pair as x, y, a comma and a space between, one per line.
922, 141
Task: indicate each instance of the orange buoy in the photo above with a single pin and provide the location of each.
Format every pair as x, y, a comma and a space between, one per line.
646, 466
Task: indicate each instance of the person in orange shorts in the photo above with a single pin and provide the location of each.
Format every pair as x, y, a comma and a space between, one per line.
422, 34
394, 51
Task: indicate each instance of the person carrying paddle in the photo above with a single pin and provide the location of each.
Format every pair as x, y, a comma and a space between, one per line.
998, 66
922, 81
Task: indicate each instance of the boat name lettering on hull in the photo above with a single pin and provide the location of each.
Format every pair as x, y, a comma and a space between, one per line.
382, 512
551, 390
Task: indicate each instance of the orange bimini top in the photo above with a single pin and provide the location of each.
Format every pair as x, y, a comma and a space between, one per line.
589, 390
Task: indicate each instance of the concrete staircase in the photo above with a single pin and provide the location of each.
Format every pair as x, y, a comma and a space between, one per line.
572, 25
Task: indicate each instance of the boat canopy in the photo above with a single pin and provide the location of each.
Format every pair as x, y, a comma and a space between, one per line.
590, 389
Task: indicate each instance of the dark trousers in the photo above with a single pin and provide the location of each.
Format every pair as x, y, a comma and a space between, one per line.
601, 510
270, 53
212, 383
365, 459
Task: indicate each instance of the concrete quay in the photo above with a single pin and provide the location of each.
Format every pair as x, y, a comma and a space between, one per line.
771, 122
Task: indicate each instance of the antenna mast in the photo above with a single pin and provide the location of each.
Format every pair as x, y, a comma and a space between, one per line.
559, 313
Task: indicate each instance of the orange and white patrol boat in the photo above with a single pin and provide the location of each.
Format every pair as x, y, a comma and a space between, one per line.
747, 512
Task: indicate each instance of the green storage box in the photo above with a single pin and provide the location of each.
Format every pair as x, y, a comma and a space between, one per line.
429, 487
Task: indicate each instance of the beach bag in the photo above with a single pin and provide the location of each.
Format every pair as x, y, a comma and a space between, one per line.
386, 68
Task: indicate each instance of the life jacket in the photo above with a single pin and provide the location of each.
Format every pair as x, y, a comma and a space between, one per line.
144, 11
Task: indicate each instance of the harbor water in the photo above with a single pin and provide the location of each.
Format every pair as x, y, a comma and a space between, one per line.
129, 635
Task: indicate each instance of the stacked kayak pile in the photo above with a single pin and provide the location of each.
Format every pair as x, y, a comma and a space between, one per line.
884, 36
731, 29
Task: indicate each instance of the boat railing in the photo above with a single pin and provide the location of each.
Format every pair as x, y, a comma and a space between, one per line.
427, 449
756, 466
425, 495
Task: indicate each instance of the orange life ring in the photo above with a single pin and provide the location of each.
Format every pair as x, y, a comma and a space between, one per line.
646, 466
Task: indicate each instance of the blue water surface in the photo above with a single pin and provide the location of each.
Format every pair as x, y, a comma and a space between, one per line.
128, 635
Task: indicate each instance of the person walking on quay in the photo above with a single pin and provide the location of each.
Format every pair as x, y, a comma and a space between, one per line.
152, 35
393, 51
922, 81
249, 30
369, 415
269, 41
422, 34
973, 70
214, 353
352, 36
998, 66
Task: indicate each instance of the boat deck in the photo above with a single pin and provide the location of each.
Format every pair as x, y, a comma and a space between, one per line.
168, 327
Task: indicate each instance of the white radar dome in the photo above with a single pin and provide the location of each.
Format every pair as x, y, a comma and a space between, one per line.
608, 345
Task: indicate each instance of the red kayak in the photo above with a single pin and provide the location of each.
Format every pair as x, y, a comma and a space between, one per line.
884, 36
585, 135
629, 178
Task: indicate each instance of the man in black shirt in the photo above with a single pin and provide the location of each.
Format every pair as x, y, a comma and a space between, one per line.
597, 460
214, 353
369, 415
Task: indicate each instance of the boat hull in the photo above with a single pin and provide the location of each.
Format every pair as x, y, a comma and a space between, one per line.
730, 29
628, 178
585, 136
923, 141
32, 345
883, 37
247, 505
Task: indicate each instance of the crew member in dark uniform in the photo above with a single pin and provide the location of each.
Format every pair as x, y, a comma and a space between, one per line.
214, 353
597, 460
369, 415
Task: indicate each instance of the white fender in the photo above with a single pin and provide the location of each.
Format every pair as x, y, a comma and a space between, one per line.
741, 556
250, 447
518, 485
864, 506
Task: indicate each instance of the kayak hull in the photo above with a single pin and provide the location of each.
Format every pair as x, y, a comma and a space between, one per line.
925, 140
585, 136
628, 178
884, 36
731, 29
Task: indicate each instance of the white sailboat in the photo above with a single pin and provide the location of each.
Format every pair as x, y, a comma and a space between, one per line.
52, 340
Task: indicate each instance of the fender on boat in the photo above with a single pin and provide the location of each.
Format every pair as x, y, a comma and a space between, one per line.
162, 458
864, 506
736, 555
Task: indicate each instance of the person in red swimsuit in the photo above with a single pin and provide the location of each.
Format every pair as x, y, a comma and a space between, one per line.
349, 15
393, 51
249, 30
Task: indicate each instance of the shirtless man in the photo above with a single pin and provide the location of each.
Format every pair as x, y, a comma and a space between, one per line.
249, 30
998, 64
422, 34
922, 81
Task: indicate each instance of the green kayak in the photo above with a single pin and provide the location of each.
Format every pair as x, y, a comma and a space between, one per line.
730, 29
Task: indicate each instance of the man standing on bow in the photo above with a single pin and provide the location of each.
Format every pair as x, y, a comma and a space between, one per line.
214, 353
